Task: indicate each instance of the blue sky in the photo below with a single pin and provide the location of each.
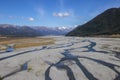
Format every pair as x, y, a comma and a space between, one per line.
52, 13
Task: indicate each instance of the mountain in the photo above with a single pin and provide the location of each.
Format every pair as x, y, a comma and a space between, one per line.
107, 23
20, 31
30, 31
53, 30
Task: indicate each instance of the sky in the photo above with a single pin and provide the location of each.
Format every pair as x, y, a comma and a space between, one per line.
52, 13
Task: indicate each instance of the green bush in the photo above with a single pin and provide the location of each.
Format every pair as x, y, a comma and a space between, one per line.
1, 78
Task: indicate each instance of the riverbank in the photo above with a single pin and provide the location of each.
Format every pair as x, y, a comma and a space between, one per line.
68, 58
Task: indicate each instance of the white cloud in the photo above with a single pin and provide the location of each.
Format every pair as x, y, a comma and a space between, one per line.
61, 14
66, 14
31, 19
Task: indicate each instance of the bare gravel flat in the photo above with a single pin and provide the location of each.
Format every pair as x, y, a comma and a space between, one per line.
70, 58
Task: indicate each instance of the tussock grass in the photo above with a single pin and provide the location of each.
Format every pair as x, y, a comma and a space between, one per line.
115, 36
1, 78
105, 46
29, 69
116, 48
24, 42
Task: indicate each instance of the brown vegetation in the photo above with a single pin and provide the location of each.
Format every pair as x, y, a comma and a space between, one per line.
115, 36
24, 42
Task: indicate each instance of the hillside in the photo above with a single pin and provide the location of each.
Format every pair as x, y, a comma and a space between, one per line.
107, 23
30, 31
19, 31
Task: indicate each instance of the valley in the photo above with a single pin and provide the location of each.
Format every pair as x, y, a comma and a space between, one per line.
69, 58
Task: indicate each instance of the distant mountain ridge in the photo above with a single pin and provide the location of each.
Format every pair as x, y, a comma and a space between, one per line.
107, 23
53, 30
30, 31
12, 30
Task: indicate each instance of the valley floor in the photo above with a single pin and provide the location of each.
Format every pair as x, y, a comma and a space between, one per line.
70, 58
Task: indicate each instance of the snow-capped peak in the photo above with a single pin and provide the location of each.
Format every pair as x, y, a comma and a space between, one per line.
62, 28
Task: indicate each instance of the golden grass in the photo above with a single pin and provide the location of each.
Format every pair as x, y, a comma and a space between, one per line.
115, 36
24, 42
